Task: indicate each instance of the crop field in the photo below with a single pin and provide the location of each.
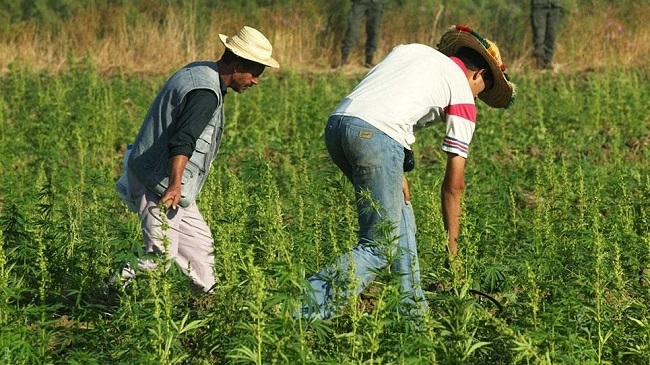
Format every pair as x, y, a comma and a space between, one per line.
556, 229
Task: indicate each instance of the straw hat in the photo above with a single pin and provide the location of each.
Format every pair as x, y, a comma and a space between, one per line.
252, 45
502, 94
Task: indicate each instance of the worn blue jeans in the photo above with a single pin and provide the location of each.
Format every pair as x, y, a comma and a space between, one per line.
373, 162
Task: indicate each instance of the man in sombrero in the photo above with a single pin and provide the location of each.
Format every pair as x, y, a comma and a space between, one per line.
369, 137
175, 147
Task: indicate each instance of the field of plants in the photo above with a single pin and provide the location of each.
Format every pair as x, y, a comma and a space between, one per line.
555, 230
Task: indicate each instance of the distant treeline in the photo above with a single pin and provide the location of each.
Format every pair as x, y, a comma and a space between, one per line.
53, 11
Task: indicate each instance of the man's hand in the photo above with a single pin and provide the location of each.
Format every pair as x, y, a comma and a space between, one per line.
172, 195
406, 191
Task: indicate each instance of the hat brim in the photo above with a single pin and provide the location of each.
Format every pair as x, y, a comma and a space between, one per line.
270, 61
501, 95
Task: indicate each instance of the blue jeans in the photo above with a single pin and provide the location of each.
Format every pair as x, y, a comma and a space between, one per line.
373, 162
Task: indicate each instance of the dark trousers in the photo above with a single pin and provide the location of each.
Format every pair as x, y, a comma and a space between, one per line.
372, 12
545, 22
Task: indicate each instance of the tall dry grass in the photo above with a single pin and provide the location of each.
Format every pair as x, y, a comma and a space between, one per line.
306, 38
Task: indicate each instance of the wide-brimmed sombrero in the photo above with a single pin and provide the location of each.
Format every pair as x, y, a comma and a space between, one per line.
252, 45
502, 94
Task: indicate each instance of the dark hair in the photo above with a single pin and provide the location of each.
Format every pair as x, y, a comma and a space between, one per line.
229, 57
472, 59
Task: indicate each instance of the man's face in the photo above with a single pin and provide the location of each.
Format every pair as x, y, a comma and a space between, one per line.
244, 78
488, 80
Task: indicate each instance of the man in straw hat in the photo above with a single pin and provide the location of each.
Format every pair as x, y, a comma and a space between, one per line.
369, 137
175, 147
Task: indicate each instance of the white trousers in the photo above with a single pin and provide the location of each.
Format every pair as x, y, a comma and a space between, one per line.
190, 240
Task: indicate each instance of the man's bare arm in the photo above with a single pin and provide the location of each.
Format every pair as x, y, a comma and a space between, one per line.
451, 193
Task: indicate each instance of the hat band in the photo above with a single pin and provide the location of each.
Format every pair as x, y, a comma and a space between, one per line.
488, 46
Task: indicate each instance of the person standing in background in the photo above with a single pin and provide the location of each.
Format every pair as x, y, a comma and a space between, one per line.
372, 11
545, 19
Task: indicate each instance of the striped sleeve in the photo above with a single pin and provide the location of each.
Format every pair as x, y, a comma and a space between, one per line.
461, 121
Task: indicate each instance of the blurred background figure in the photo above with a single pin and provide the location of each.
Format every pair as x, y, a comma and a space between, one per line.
372, 11
545, 19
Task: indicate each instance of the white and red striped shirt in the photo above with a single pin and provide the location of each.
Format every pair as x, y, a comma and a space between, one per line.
412, 88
